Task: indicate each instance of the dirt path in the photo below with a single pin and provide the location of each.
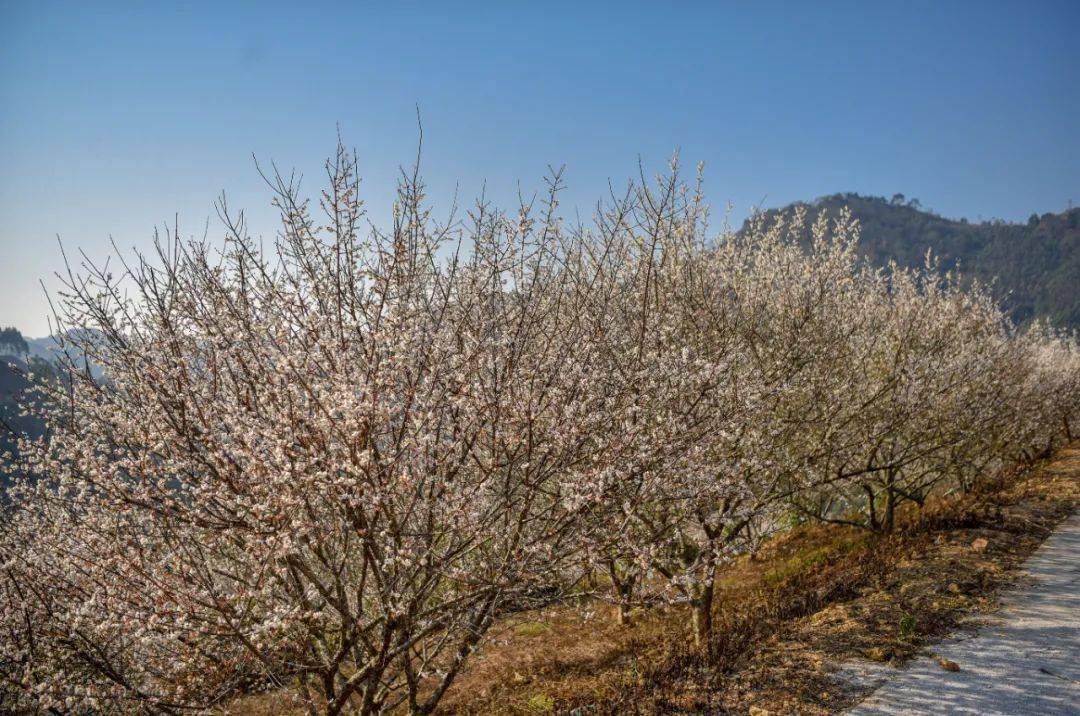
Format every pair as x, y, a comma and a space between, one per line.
1025, 661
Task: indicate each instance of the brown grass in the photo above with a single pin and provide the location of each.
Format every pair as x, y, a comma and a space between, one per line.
815, 597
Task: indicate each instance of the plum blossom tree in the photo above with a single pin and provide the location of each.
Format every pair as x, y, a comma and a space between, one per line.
331, 466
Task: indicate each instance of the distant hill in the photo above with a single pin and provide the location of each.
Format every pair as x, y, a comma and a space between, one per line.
16, 360
20, 357
48, 349
13, 385
1035, 265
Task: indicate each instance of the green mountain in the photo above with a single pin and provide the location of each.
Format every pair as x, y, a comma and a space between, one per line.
1034, 267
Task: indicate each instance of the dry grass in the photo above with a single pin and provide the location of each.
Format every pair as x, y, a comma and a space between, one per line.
815, 597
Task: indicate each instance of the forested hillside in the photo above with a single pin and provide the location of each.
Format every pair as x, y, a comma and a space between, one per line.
16, 362
1035, 266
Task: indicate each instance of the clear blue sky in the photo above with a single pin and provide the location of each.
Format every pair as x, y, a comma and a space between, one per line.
113, 117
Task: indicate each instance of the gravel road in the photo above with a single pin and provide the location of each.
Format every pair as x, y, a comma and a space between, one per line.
1026, 661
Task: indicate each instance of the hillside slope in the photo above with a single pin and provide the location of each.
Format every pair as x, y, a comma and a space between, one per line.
1035, 266
17, 360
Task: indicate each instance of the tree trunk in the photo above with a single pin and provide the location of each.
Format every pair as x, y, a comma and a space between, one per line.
871, 513
624, 591
702, 606
889, 521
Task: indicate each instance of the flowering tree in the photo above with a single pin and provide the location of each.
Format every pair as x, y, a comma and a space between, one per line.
937, 392
724, 346
332, 467
669, 341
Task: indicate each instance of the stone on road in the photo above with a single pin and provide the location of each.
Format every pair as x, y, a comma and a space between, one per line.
1025, 662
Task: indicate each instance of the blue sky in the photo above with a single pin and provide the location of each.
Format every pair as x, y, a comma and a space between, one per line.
116, 117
